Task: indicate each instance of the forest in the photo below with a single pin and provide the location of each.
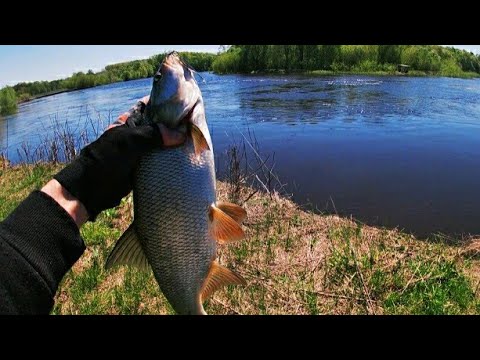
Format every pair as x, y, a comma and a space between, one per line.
131, 70
421, 59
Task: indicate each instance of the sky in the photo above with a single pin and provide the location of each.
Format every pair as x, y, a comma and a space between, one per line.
20, 63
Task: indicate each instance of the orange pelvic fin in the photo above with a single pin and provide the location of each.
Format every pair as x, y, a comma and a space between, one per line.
224, 229
235, 211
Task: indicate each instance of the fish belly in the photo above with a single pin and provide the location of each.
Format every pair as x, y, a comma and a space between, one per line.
172, 195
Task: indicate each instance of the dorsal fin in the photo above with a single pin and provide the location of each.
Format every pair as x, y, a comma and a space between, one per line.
219, 276
223, 228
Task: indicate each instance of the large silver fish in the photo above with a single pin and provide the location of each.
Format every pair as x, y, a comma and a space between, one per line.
177, 219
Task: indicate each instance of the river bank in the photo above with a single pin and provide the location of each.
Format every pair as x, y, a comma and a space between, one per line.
40, 96
411, 73
295, 262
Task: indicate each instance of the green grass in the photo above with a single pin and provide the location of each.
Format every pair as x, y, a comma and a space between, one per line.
438, 288
16, 183
295, 262
411, 73
426, 282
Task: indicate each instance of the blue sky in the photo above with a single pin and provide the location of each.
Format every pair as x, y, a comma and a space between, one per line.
49, 62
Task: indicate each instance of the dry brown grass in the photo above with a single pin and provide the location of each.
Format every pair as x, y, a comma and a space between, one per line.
295, 262
4, 163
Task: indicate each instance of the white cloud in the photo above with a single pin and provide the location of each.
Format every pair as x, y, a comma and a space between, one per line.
472, 48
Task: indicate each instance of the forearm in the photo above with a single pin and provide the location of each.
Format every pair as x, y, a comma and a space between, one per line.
40, 239
70, 203
39, 243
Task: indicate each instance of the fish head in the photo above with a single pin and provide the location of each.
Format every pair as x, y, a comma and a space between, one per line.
174, 93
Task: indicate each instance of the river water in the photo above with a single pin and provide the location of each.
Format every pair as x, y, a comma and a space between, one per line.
390, 151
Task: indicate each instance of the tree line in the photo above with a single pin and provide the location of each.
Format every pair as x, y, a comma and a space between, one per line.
112, 73
426, 59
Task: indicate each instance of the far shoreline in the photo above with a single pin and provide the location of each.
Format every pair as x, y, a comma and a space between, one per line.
313, 73
412, 73
36, 97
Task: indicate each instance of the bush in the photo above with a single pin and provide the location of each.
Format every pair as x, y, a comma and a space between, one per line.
8, 101
450, 68
228, 62
366, 66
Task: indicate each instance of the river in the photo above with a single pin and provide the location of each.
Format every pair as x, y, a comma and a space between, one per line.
391, 151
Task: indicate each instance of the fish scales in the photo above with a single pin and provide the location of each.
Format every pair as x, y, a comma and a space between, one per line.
173, 193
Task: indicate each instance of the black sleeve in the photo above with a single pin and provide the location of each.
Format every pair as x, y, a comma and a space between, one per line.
39, 243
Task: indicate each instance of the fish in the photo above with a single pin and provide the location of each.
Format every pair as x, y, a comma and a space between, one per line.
178, 221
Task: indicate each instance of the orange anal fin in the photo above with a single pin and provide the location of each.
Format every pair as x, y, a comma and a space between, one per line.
218, 277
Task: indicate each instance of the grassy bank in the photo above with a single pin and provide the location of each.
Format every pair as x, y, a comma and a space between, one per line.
412, 73
295, 262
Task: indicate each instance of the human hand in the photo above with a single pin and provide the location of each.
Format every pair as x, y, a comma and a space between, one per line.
103, 172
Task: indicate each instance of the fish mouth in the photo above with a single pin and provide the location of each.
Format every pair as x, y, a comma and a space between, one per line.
172, 59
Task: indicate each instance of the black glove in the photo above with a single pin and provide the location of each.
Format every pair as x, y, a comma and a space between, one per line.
103, 172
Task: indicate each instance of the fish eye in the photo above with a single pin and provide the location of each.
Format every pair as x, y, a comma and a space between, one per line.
157, 76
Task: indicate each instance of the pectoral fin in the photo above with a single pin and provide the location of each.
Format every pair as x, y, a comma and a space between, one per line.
224, 228
199, 141
218, 277
128, 251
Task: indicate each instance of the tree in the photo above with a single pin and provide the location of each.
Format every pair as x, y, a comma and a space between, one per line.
8, 101
288, 53
300, 63
311, 57
328, 54
389, 54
